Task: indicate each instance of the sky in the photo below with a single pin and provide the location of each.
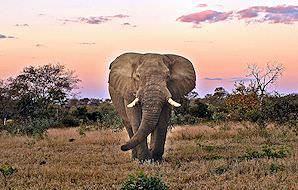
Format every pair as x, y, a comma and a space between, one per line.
221, 38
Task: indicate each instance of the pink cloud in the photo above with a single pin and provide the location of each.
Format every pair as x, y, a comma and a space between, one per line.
119, 16
95, 19
278, 14
209, 16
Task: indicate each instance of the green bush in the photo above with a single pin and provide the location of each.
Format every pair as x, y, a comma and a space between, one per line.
144, 182
36, 127
269, 152
187, 119
253, 115
199, 109
7, 170
70, 121
274, 168
281, 109
219, 116
109, 116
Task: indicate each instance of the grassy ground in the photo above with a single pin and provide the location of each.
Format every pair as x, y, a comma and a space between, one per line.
199, 157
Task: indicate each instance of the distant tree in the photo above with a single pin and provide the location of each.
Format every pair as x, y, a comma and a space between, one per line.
218, 97
242, 88
40, 89
263, 78
192, 95
220, 93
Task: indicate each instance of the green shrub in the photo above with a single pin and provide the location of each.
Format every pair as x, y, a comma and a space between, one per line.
274, 168
82, 131
36, 127
70, 121
219, 116
144, 182
187, 119
269, 152
10, 128
199, 109
253, 115
108, 116
221, 170
7, 170
281, 109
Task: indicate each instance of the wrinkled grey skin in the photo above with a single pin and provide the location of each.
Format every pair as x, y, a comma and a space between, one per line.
153, 78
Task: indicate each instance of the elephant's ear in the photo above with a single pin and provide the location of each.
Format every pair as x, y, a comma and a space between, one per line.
121, 74
183, 77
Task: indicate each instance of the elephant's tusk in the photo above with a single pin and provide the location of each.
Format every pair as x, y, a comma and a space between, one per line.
133, 103
173, 103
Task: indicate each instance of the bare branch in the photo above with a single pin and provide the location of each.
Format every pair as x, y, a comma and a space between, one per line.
261, 79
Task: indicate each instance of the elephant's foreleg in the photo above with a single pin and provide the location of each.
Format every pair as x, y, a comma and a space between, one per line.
158, 137
135, 115
130, 134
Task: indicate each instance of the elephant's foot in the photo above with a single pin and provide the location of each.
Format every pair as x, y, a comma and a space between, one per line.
134, 154
156, 156
140, 154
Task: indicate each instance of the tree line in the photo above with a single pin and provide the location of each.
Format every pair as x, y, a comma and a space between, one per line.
41, 97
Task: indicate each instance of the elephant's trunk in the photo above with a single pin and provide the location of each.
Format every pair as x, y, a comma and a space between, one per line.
148, 123
151, 108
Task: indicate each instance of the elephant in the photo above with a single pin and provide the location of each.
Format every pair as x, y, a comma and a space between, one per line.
144, 88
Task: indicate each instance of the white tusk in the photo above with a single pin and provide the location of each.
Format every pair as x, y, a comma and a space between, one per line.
133, 103
173, 103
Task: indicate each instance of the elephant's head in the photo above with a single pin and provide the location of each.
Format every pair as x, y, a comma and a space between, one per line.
150, 81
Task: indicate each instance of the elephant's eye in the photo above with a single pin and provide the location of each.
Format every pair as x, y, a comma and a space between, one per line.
138, 76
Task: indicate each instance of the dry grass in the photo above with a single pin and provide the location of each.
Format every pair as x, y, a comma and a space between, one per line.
197, 157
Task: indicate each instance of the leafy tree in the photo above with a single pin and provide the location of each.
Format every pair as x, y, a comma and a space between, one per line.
218, 97
40, 89
3, 102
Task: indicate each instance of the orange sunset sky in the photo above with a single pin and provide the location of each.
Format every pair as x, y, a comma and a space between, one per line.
220, 37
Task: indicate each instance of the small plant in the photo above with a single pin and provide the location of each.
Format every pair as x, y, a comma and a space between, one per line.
177, 163
6, 170
221, 170
209, 148
274, 168
225, 127
82, 131
237, 138
268, 152
30, 143
144, 182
